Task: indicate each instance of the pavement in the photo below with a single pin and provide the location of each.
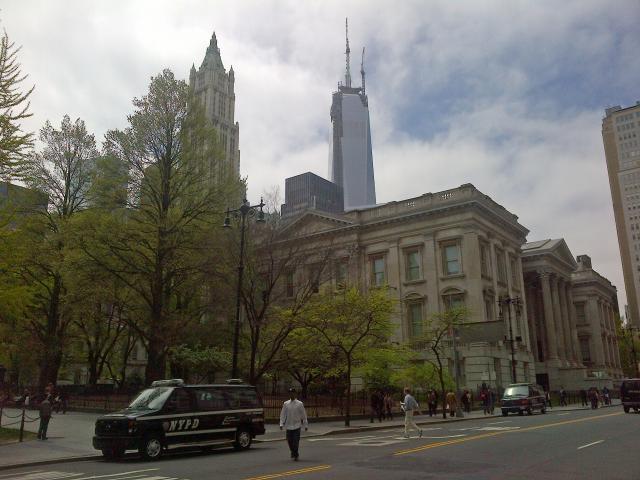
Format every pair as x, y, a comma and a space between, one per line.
564, 444
70, 434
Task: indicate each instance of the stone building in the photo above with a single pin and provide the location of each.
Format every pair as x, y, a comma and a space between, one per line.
215, 89
563, 296
434, 251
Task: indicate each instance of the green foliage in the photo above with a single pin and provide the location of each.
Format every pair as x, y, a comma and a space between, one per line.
14, 105
380, 367
199, 363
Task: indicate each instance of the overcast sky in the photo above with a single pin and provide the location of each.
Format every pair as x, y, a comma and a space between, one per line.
506, 95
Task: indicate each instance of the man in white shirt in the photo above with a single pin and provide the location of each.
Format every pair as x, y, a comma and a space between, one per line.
292, 417
409, 406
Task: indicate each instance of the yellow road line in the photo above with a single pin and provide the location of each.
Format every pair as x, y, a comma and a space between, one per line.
502, 432
292, 472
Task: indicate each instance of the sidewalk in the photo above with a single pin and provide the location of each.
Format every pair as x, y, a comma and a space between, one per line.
70, 435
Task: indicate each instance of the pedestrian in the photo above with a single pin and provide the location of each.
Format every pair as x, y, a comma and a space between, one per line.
492, 401
45, 416
607, 397
409, 405
374, 405
452, 403
547, 397
433, 403
583, 397
484, 398
388, 405
292, 417
563, 397
466, 401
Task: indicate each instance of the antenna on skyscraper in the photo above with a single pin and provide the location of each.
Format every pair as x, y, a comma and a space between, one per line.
362, 70
347, 76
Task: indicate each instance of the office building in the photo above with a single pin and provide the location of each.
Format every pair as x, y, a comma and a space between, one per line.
309, 191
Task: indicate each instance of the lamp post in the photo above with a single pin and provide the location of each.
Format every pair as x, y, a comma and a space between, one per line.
508, 301
456, 370
241, 213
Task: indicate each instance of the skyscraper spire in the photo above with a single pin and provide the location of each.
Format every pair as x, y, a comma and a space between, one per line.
347, 75
362, 70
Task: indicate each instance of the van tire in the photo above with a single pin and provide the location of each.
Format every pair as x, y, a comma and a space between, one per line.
151, 447
243, 439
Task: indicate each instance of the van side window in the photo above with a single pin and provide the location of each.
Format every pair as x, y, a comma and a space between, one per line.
180, 401
211, 399
248, 398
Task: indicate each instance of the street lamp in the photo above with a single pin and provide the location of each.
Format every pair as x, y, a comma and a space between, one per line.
241, 213
456, 370
516, 302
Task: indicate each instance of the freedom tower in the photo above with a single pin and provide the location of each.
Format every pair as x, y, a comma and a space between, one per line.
350, 154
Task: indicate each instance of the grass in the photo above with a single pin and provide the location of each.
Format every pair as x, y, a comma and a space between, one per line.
9, 435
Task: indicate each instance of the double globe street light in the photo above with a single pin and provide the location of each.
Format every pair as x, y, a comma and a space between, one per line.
245, 210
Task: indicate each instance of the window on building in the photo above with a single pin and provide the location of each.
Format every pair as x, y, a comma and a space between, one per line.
314, 278
378, 277
502, 270
340, 274
513, 264
451, 258
489, 308
413, 272
580, 314
414, 311
485, 260
289, 284
452, 301
584, 349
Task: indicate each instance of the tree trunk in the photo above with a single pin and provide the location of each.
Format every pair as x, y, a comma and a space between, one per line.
347, 417
155, 369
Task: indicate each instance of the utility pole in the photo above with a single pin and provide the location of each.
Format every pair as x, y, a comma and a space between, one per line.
456, 369
507, 302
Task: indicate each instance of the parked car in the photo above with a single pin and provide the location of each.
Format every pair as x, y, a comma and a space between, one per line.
630, 394
523, 397
171, 413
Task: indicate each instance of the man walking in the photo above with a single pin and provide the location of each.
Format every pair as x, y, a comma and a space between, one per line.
292, 417
409, 406
45, 416
563, 397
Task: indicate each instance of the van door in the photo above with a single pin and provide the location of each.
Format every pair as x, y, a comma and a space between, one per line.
213, 411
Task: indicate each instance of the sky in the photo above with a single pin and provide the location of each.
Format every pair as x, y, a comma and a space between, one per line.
507, 95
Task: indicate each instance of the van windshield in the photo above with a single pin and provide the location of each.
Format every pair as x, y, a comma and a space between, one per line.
519, 391
151, 398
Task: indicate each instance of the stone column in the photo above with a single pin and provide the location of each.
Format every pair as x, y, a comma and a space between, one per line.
562, 292
577, 353
550, 326
596, 333
531, 317
557, 316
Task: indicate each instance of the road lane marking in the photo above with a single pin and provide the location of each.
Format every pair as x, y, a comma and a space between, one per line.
497, 423
502, 432
560, 414
118, 474
21, 473
590, 444
43, 475
291, 472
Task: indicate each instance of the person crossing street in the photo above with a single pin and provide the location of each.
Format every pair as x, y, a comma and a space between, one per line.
293, 417
410, 406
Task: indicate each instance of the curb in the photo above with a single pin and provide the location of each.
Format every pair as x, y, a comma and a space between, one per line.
82, 458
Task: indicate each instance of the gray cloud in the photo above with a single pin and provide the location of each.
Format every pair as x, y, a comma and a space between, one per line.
507, 95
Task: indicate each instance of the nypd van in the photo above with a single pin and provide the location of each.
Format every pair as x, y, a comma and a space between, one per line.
171, 414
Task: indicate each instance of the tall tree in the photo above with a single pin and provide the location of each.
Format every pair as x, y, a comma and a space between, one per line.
62, 170
158, 247
351, 322
14, 106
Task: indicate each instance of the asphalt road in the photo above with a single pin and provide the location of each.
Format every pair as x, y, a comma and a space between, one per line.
600, 444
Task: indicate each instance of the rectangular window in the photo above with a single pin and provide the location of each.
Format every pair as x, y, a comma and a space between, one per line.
377, 271
502, 269
289, 284
489, 308
340, 274
415, 319
580, 314
451, 258
413, 265
584, 349
453, 301
485, 260
513, 265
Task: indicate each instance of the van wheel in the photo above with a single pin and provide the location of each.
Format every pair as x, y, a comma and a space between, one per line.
112, 453
529, 411
151, 447
543, 410
243, 439
626, 409
504, 413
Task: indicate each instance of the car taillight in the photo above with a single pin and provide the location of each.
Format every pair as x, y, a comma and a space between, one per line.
524, 402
